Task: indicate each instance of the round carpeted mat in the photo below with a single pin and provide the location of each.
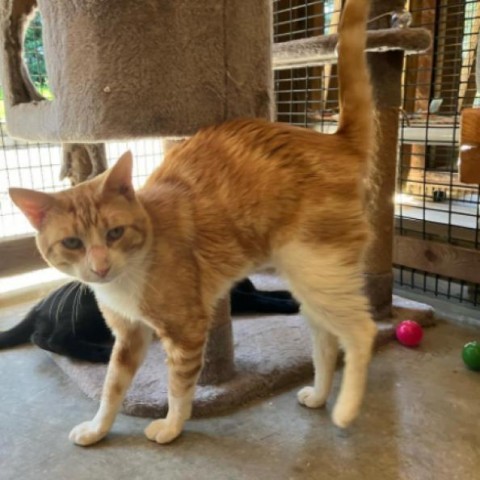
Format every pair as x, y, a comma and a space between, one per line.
271, 352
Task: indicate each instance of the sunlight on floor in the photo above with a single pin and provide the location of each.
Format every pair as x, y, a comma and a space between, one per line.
28, 280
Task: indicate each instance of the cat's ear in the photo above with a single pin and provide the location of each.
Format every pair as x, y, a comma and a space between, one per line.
118, 179
33, 204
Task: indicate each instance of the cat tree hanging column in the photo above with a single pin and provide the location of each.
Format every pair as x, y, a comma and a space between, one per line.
141, 69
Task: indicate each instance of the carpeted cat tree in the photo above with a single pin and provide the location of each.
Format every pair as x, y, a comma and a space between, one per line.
165, 69
139, 69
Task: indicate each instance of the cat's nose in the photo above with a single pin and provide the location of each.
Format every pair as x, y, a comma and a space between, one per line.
102, 273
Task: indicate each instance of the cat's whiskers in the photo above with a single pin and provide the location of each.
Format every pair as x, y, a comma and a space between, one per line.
54, 302
62, 302
76, 306
135, 273
83, 290
136, 270
138, 275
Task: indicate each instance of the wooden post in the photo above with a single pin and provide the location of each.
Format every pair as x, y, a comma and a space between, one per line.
219, 363
386, 76
417, 94
469, 166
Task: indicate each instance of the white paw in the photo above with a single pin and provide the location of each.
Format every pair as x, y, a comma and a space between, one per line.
162, 431
308, 397
342, 416
86, 433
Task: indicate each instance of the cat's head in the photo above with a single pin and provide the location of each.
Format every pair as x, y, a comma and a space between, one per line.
95, 231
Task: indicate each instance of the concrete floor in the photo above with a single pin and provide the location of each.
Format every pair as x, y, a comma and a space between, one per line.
420, 421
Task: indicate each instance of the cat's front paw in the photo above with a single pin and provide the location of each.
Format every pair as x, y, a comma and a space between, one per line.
311, 399
86, 433
162, 431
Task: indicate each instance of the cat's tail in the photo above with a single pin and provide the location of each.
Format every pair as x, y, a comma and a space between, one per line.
356, 121
20, 333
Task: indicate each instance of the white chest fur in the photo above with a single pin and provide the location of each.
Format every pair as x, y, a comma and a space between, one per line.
123, 296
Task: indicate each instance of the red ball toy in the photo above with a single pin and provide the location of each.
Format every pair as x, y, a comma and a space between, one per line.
409, 333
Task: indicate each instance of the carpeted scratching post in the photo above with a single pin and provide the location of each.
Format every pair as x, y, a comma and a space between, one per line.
140, 69
320, 50
83, 161
219, 365
386, 78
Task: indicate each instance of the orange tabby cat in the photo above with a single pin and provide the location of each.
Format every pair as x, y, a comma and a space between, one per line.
222, 204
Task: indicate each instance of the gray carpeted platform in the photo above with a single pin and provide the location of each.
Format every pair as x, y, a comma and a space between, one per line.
271, 352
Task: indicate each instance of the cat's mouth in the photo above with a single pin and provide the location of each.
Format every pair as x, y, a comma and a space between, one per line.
99, 280
100, 277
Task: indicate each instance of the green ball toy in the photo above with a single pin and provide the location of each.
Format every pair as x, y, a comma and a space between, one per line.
471, 355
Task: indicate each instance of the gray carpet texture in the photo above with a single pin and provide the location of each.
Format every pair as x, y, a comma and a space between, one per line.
271, 353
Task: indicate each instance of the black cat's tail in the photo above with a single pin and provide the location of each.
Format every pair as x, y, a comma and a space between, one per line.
20, 333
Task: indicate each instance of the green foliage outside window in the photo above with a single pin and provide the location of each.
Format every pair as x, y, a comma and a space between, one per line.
35, 60
33, 53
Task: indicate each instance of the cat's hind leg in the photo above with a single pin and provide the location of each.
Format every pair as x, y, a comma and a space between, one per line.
329, 285
325, 352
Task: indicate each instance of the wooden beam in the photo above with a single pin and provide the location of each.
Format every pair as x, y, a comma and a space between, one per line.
468, 58
437, 258
467, 236
19, 255
469, 166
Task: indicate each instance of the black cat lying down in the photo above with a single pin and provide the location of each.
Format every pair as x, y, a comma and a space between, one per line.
69, 322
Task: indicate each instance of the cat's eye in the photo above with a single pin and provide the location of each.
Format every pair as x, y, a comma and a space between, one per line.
115, 233
72, 243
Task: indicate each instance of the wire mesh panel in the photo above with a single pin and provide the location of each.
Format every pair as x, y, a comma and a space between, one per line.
306, 96
437, 86
37, 165
431, 203
294, 19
